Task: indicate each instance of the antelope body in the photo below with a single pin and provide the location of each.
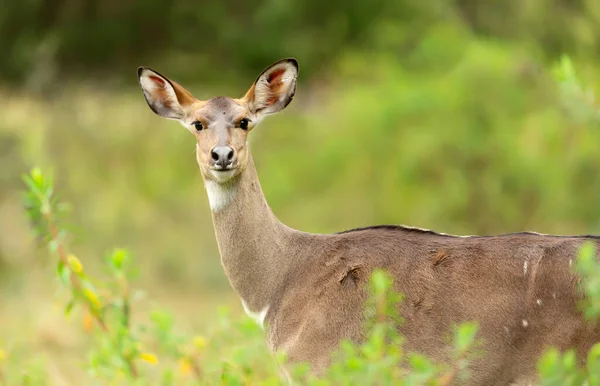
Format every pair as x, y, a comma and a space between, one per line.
307, 289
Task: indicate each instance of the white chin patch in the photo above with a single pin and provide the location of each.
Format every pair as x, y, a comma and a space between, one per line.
219, 195
223, 176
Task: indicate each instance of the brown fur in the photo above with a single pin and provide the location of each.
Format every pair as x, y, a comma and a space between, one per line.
518, 287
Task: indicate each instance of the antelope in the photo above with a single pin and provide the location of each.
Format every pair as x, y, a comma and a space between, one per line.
306, 289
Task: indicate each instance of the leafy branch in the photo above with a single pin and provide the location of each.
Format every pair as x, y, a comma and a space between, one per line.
118, 347
43, 209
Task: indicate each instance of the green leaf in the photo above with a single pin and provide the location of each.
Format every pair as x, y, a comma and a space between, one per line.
563, 70
53, 246
549, 365
569, 360
420, 363
593, 365
89, 292
75, 264
33, 188
380, 281
37, 176
119, 259
63, 273
587, 251
69, 307
465, 335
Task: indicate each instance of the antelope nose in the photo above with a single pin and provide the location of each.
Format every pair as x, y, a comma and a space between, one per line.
222, 156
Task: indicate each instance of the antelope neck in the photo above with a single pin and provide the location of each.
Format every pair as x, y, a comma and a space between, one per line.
250, 239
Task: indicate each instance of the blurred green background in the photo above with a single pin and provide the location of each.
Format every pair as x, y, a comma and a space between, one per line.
441, 114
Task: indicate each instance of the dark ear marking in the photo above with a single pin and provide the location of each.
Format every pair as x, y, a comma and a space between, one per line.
290, 97
292, 61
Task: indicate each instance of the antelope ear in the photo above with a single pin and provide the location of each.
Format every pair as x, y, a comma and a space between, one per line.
165, 97
274, 88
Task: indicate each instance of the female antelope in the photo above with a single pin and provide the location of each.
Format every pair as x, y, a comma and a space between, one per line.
307, 288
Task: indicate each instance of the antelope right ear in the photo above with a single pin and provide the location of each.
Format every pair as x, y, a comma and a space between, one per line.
274, 88
165, 97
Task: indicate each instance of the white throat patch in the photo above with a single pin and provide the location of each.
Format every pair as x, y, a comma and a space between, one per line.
258, 317
219, 195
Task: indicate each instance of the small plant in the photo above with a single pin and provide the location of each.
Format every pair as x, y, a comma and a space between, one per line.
117, 349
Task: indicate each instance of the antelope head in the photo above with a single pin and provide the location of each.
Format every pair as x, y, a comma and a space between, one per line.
221, 124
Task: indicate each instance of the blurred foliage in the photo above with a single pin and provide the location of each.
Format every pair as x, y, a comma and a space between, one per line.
117, 346
45, 40
558, 369
462, 116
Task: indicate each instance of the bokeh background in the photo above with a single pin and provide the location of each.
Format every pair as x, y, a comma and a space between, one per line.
441, 114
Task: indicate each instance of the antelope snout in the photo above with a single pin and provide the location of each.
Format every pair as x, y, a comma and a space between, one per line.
222, 156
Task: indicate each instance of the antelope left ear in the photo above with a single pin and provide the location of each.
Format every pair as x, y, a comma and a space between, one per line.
165, 97
274, 88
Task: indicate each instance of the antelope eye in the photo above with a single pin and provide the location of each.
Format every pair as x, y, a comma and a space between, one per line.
244, 124
198, 125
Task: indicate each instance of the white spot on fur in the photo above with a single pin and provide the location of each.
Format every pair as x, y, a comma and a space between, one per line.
539, 302
570, 262
258, 317
506, 329
219, 195
554, 295
525, 323
525, 267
